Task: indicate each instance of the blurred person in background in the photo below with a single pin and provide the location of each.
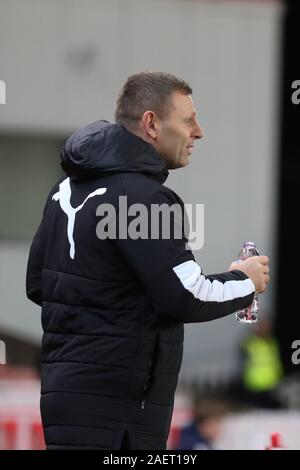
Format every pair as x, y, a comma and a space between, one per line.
261, 367
113, 308
206, 427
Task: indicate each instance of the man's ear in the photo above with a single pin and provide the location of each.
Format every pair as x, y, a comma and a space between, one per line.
150, 124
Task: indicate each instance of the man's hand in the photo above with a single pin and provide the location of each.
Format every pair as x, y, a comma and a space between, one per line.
257, 268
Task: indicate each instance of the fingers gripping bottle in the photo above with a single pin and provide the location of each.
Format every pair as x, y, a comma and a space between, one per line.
249, 314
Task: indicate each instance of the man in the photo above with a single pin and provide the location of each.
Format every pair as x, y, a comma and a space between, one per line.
113, 308
206, 425
261, 367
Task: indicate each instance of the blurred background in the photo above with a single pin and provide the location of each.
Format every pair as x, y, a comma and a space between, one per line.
63, 63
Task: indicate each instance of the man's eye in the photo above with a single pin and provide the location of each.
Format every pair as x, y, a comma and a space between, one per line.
189, 122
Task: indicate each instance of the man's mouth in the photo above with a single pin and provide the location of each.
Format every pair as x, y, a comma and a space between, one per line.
190, 149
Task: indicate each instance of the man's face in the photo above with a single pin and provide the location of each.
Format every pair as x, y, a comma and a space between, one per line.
177, 133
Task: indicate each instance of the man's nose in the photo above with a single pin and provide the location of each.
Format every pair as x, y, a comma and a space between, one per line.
198, 133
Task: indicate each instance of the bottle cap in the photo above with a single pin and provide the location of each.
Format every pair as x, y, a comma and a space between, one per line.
249, 245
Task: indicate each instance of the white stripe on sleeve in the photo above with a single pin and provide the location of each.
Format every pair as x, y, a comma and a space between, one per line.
205, 290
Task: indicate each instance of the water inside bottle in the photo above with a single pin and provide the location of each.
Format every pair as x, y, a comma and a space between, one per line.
249, 314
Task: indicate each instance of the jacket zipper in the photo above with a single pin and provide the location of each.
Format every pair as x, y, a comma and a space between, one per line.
146, 386
151, 365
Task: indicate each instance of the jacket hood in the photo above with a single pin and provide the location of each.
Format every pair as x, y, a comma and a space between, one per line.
101, 148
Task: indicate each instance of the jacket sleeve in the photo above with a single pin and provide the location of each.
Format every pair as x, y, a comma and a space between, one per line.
34, 268
168, 272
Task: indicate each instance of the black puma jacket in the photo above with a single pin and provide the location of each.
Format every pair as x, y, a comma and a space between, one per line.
113, 309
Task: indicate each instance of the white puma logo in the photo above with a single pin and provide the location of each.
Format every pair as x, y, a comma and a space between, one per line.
64, 198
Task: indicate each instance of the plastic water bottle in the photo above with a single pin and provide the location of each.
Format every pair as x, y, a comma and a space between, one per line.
249, 314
